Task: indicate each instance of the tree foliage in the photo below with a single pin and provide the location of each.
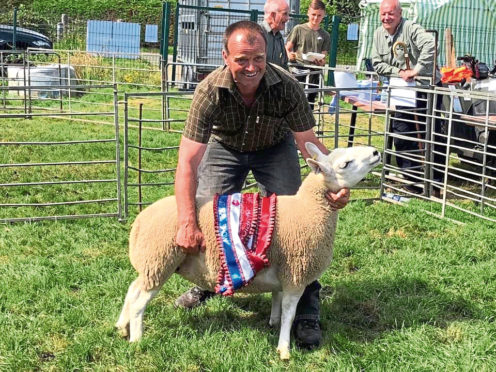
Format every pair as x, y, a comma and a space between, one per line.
348, 10
140, 11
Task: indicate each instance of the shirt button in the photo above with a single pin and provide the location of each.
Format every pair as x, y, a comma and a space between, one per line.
246, 132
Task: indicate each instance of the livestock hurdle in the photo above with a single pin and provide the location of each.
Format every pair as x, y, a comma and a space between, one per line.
55, 168
151, 142
467, 142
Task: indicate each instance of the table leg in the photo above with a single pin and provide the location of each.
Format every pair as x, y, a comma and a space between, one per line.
351, 134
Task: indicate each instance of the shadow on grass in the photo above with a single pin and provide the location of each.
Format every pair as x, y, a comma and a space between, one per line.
363, 310
360, 310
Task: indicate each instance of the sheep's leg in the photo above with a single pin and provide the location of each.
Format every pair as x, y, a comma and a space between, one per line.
122, 324
137, 308
130, 322
275, 312
290, 300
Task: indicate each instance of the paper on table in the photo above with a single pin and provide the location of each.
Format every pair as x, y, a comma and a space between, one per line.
344, 79
312, 56
402, 96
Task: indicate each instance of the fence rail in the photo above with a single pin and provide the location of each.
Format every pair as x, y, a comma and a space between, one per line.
63, 177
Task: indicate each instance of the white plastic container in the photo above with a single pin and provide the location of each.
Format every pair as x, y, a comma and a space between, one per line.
41, 79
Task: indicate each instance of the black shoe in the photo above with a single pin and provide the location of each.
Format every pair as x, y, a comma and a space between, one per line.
413, 189
436, 193
308, 334
193, 298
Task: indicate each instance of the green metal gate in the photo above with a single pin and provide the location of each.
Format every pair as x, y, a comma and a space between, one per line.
198, 31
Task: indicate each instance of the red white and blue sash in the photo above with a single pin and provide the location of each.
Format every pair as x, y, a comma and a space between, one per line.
243, 225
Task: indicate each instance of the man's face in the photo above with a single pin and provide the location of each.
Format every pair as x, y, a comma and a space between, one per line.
315, 17
246, 59
277, 20
390, 15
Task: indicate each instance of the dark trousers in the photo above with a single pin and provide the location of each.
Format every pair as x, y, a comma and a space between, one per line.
404, 123
276, 169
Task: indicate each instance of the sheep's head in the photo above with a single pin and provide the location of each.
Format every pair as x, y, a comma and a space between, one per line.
343, 167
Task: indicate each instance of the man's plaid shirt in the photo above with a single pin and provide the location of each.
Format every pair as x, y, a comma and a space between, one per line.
218, 110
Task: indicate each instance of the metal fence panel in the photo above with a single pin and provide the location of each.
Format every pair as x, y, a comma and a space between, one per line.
56, 169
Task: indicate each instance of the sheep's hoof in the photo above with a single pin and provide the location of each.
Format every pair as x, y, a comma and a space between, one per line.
283, 353
123, 331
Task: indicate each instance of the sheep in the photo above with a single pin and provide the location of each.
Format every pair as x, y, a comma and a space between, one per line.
301, 248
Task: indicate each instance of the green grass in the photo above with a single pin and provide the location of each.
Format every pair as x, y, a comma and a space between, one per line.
404, 292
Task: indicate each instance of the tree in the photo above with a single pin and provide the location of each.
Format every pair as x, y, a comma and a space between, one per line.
348, 10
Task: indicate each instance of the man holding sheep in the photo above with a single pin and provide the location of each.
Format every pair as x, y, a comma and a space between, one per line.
246, 116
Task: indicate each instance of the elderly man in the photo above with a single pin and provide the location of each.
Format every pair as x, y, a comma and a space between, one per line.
276, 14
420, 46
246, 116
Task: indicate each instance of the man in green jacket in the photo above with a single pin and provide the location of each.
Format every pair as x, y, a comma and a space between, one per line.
408, 38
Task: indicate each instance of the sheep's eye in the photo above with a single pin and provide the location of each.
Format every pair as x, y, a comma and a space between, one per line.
345, 165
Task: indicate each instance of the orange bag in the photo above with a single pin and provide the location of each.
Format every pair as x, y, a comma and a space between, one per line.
455, 75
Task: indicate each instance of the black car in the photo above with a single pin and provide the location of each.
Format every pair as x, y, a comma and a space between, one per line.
24, 39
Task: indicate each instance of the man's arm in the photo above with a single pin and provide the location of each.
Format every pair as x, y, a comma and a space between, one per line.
308, 136
426, 44
189, 236
336, 200
289, 50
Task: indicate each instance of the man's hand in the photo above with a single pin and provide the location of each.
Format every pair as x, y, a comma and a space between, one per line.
190, 238
320, 62
338, 200
408, 75
292, 56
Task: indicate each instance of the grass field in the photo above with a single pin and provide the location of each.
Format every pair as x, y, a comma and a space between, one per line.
406, 291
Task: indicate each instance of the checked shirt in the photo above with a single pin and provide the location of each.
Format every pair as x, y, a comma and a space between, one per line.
218, 110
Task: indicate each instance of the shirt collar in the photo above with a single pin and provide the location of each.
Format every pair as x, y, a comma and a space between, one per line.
267, 28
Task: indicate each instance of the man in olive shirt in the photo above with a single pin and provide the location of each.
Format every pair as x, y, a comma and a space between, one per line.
246, 116
420, 46
276, 14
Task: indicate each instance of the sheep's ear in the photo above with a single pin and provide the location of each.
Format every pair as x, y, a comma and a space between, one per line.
318, 166
314, 165
314, 151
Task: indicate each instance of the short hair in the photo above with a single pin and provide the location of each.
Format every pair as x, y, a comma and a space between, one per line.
317, 5
271, 6
252, 28
397, 3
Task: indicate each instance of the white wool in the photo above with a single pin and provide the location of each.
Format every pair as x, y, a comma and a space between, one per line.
300, 251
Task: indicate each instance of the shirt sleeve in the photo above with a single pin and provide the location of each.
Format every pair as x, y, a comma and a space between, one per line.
326, 47
426, 45
293, 37
198, 125
299, 115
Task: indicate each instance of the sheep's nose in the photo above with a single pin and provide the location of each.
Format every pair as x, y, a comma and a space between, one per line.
375, 153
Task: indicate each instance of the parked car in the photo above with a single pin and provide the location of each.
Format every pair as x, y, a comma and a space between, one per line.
24, 39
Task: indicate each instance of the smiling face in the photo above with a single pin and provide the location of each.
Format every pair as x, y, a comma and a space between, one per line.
315, 17
278, 16
390, 14
245, 58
